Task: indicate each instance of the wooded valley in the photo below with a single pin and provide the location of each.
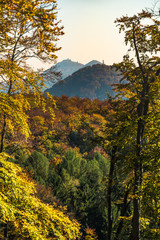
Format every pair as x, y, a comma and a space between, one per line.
76, 168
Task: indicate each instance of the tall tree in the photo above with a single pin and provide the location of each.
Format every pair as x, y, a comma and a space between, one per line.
119, 132
28, 29
142, 86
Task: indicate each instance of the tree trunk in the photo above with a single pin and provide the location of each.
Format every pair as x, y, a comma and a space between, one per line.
3, 134
6, 230
109, 200
135, 234
4, 121
142, 110
123, 212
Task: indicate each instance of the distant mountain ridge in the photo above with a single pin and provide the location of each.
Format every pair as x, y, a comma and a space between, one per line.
91, 63
88, 82
66, 68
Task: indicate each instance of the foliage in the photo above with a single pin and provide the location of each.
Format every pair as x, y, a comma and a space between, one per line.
28, 29
27, 217
38, 164
90, 234
100, 158
78, 123
75, 176
81, 185
141, 87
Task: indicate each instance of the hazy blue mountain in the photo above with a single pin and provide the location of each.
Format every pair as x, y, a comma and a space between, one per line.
88, 82
65, 68
51, 76
60, 71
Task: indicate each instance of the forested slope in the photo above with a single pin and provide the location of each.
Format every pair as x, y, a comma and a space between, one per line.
78, 168
89, 82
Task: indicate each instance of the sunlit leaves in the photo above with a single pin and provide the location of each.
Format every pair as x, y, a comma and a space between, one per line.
29, 28
141, 77
27, 216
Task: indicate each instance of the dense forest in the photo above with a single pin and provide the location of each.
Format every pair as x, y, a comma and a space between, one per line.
76, 168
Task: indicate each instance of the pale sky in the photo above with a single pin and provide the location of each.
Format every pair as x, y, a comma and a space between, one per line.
90, 31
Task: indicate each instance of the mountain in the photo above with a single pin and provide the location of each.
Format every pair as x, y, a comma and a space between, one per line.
65, 68
88, 82
91, 63
60, 71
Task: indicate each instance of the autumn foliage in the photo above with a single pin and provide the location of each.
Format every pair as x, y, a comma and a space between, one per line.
65, 158
26, 216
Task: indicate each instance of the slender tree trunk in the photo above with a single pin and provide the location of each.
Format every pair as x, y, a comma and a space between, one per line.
4, 121
109, 191
5, 226
6, 230
123, 212
3, 134
142, 110
135, 234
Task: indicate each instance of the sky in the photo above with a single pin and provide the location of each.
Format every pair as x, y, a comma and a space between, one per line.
90, 31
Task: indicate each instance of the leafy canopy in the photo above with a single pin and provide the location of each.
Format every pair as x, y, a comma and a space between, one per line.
28, 29
27, 217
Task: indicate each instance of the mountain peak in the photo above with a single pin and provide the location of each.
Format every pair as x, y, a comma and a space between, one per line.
93, 62
88, 82
66, 67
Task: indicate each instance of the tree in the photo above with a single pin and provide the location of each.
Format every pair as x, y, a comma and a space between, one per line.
81, 185
25, 215
118, 144
39, 165
28, 29
142, 87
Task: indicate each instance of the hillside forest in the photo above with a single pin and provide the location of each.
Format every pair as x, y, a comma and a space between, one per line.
94, 82
76, 168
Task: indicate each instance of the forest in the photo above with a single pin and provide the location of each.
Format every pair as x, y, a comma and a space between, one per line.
70, 167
